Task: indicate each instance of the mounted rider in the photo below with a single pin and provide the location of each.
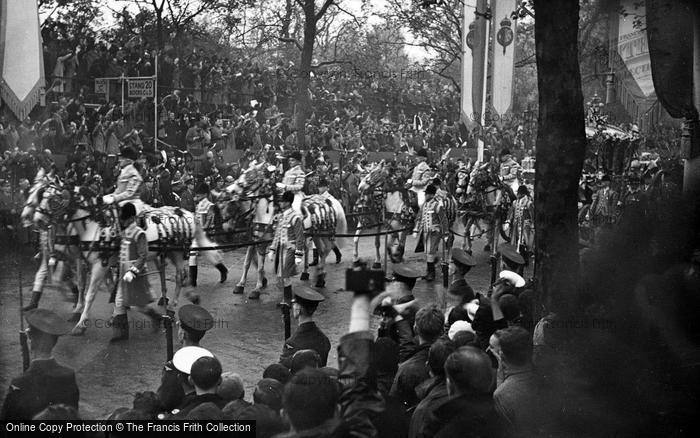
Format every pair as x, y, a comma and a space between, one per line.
294, 180
509, 170
129, 180
421, 176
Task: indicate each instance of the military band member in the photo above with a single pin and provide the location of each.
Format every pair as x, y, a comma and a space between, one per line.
431, 226
288, 244
421, 176
521, 219
205, 213
45, 382
193, 323
294, 180
133, 289
129, 180
307, 336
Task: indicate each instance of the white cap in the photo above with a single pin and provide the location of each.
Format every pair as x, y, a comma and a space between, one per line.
512, 277
459, 326
186, 356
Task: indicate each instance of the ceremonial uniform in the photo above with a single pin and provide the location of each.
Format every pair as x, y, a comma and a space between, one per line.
432, 224
197, 138
521, 219
132, 258
604, 207
508, 171
128, 184
420, 178
293, 181
45, 382
288, 243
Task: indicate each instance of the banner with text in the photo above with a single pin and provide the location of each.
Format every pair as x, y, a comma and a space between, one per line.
141, 88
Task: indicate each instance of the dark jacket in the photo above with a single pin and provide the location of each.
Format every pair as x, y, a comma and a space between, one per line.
170, 391
359, 399
412, 368
434, 393
306, 337
192, 400
471, 415
44, 383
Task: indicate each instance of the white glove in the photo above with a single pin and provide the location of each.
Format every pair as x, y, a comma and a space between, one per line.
271, 256
298, 260
506, 227
588, 217
281, 186
129, 277
52, 261
108, 199
415, 234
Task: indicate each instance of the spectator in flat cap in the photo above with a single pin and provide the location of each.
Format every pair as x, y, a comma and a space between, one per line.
278, 372
429, 326
268, 423
45, 382
269, 392
307, 335
193, 322
433, 392
205, 377
519, 397
470, 409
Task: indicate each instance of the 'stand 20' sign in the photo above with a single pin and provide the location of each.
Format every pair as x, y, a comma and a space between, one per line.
141, 88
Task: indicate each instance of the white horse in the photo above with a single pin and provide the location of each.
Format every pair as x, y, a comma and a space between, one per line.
382, 202
98, 233
252, 198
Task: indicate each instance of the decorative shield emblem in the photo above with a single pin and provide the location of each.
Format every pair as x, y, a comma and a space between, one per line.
505, 34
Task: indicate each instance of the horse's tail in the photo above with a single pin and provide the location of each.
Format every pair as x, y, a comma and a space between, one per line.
213, 256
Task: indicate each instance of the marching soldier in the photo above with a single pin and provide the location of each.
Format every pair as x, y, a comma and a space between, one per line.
430, 227
307, 336
421, 176
193, 323
133, 289
45, 382
521, 218
288, 244
205, 213
603, 210
294, 180
129, 180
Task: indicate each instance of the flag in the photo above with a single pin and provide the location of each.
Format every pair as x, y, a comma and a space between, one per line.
466, 104
21, 56
503, 55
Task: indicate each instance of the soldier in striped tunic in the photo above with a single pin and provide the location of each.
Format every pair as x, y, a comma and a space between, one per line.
432, 225
204, 214
288, 244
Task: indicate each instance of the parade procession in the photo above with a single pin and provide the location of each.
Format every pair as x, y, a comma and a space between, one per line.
459, 217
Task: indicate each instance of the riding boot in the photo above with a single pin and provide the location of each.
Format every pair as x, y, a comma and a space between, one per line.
338, 255
34, 303
223, 270
120, 328
431, 272
314, 262
193, 276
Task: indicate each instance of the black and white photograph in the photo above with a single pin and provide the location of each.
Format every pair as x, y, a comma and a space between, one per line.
349, 218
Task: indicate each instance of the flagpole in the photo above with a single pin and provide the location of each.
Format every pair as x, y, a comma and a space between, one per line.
155, 106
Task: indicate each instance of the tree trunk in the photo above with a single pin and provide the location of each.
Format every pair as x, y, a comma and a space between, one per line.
303, 103
561, 143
